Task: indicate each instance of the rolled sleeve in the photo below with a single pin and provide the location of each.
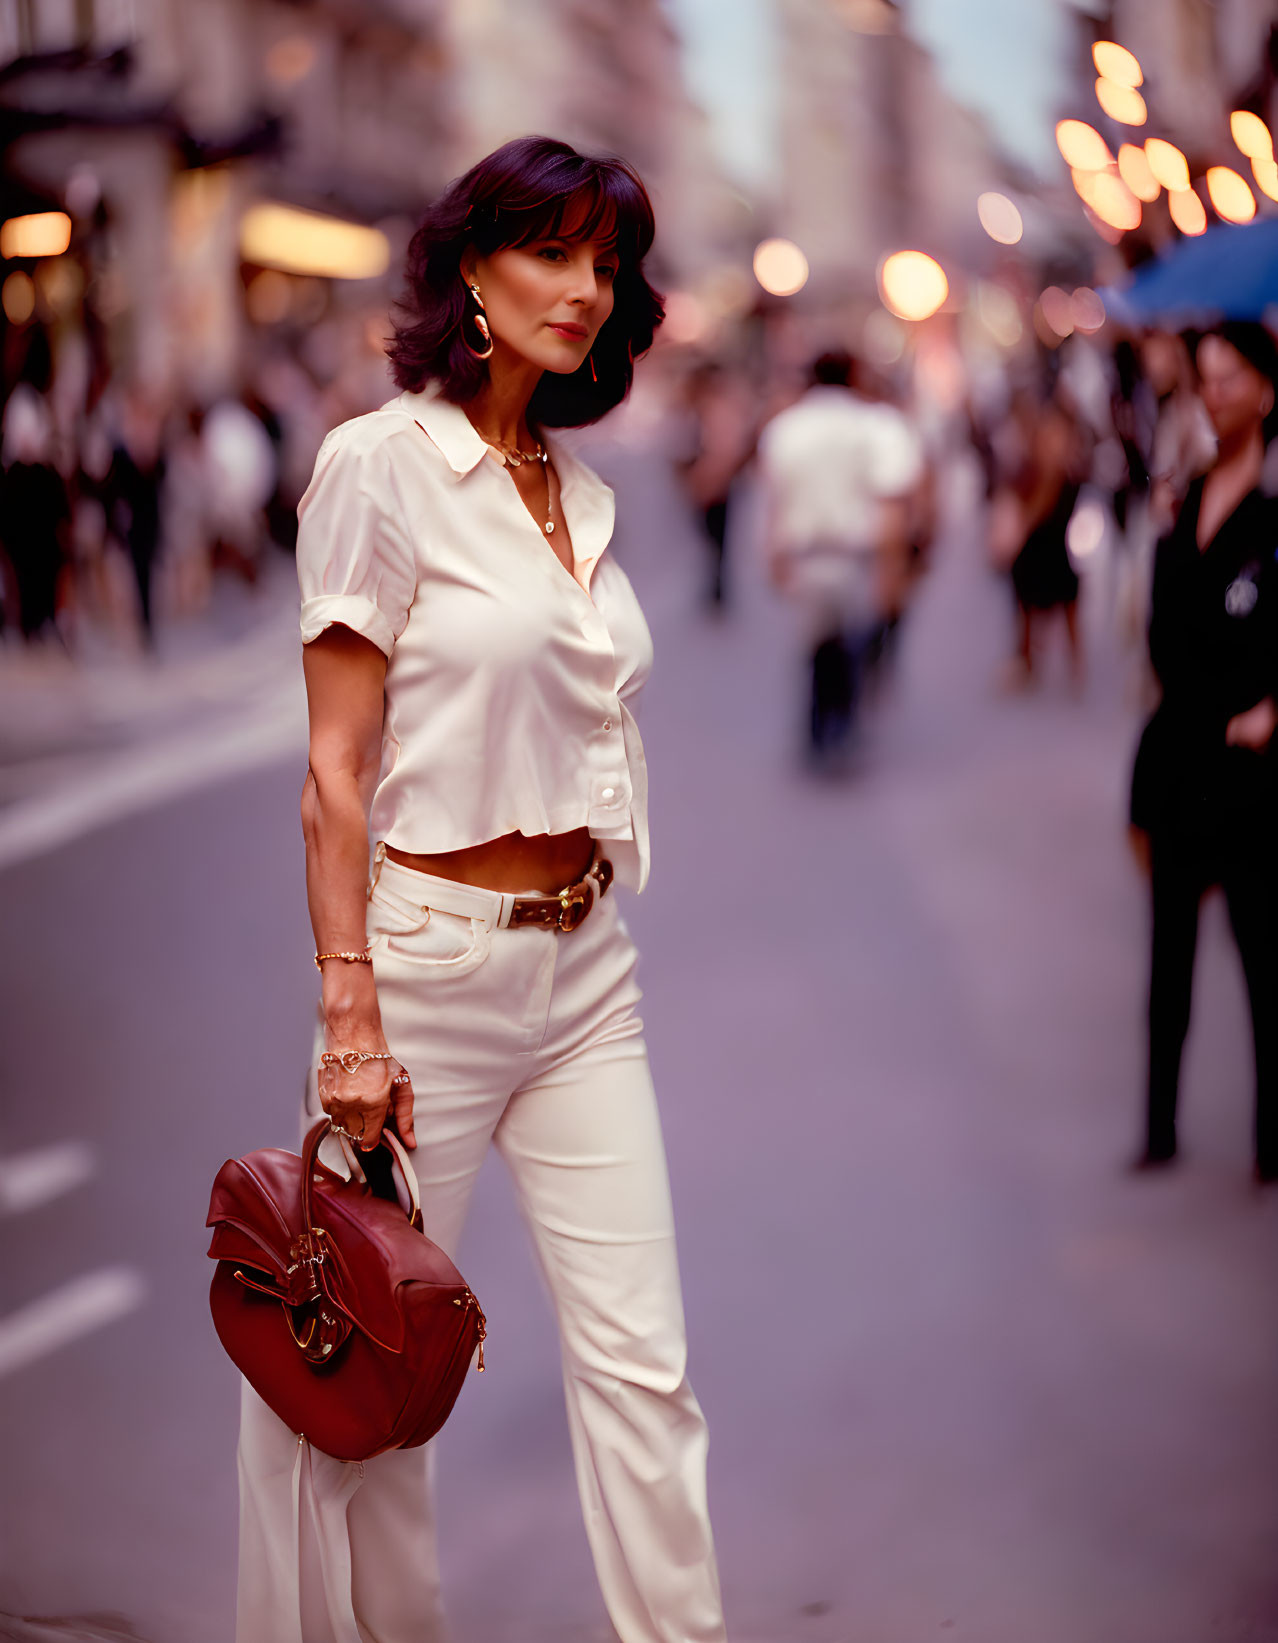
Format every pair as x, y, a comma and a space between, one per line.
362, 615
355, 560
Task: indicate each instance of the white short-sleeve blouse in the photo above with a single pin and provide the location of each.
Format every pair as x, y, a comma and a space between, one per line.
511, 682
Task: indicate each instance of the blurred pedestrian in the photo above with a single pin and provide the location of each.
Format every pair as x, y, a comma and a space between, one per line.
838, 472
1043, 578
241, 474
1174, 440
1205, 783
490, 682
721, 438
35, 512
135, 489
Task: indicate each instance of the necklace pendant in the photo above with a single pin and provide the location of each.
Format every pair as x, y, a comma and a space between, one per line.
550, 527
512, 459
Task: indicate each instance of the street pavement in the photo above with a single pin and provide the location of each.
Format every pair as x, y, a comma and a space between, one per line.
965, 1378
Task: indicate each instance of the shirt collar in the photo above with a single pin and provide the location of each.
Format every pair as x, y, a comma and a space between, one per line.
447, 426
588, 504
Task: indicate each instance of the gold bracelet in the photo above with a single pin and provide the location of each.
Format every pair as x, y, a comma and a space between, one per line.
351, 958
351, 1060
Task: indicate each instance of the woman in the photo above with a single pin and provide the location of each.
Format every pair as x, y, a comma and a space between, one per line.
472, 656
1043, 579
1204, 789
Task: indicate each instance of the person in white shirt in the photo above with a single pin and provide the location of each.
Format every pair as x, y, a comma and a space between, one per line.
473, 655
838, 471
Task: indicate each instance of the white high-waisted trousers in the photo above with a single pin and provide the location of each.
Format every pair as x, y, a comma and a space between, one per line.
528, 1038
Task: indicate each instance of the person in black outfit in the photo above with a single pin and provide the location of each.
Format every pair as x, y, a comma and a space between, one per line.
1043, 579
135, 487
1205, 783
34, 520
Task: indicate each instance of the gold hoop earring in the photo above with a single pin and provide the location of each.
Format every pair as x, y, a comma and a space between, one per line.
481, 325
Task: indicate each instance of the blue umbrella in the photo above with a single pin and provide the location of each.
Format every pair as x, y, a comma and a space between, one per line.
1230, 272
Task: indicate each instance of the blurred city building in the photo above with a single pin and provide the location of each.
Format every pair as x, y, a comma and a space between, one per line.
876, 154
182, 138
606, 76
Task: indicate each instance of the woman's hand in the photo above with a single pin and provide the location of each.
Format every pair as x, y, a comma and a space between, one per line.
1255, 728
360, 1102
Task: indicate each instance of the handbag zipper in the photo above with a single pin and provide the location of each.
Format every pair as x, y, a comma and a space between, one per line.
466, 1304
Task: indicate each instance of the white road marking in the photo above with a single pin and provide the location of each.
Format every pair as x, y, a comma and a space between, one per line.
63, 1315
34, 1178
145, 776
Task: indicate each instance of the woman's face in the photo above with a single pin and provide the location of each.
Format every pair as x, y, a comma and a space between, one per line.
546, 301
1236, 395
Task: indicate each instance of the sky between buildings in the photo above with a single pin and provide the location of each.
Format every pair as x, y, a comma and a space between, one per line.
1005, 58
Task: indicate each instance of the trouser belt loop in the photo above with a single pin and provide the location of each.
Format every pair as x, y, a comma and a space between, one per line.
379, 856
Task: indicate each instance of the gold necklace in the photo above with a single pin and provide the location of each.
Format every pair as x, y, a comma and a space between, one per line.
512, 456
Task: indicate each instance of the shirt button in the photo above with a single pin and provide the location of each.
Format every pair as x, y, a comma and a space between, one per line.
607, 724
609, 792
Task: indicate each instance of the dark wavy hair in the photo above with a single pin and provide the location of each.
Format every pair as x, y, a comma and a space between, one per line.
529, 189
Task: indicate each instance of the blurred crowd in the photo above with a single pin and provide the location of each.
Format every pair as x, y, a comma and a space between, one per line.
121, 504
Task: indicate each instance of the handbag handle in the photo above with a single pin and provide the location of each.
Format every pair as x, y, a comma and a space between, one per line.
310, 1152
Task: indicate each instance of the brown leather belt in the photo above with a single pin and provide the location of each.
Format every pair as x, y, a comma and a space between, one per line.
568, 909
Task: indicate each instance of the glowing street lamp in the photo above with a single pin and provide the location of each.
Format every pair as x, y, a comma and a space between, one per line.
1266, 175
43, 234
1082, 146
1229, 193
1251, 134
1133, 168
912, 284
1187, 210
1108, 196
1122, 103
999, 218
1168, 164
308, 242
1116, 63
780, 267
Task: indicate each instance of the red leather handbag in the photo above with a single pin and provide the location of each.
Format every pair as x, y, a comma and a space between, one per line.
343, 1316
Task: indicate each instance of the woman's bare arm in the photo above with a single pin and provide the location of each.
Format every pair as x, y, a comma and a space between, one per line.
345, 680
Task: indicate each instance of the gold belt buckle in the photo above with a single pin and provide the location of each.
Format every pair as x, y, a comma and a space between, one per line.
574, 904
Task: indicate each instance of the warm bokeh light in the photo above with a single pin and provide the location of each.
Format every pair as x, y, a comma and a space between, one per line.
1082, 146
45, 234
1187, 210
1057, 309
999, 218
1109, 197
780, 267
1116, 63
18, 297
1087, 309
912, 284
1122, 103
1251, 134
1266, 174
307, 242
1133, 168
1168, 164
1000, 314
1229, 194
